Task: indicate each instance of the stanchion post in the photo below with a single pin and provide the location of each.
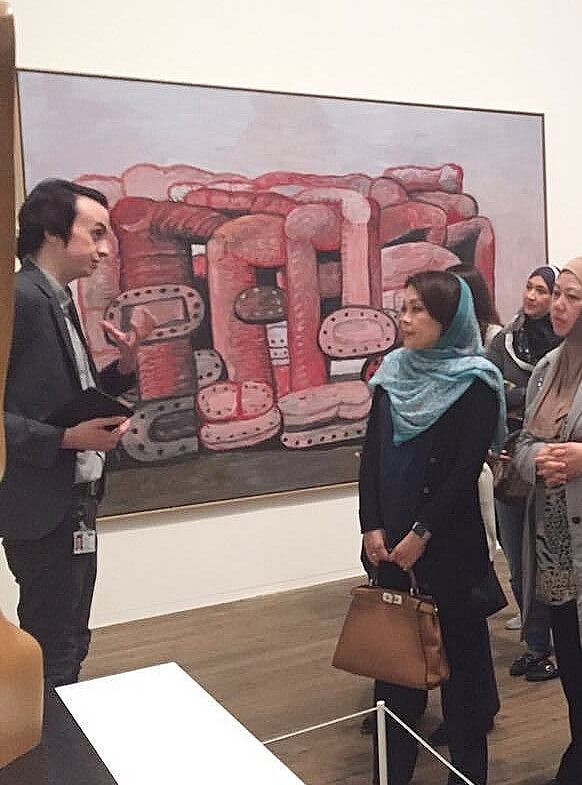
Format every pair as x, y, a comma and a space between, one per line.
382, 746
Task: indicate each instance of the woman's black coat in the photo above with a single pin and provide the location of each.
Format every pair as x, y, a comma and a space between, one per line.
456, 556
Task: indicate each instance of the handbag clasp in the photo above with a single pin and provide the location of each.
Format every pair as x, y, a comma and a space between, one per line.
391, 598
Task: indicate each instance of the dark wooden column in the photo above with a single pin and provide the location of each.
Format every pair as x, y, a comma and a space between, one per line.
7, 199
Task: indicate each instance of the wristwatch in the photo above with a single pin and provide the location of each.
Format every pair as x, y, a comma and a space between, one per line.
420, 530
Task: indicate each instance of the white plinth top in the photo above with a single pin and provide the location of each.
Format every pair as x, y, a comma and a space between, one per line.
157, 726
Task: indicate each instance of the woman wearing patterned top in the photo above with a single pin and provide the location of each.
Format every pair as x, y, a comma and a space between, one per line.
515, 351
549, 454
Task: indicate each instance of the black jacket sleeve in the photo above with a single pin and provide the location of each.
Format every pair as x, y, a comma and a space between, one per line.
370, 510
497, 353
496, 350
470, 426
36, 443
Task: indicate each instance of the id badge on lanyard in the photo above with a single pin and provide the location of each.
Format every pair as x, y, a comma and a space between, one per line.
85, 536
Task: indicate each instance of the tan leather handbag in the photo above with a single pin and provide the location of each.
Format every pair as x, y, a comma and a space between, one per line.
393, 636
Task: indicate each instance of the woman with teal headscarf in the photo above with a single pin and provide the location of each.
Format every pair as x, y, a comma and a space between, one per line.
438, 407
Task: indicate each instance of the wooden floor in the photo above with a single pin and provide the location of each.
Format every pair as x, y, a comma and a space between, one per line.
267, 660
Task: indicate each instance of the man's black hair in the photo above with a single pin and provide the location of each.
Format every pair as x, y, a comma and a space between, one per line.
51, 207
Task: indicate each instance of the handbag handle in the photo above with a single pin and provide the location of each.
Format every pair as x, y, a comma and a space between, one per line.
414, 588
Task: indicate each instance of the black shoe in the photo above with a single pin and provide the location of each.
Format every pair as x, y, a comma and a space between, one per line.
542, 670
368, 725
529, 662
556, 781
439, 737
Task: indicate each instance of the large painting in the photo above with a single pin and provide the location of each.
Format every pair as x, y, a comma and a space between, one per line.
270, 235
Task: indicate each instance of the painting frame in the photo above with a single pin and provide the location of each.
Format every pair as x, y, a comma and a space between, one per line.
158, 491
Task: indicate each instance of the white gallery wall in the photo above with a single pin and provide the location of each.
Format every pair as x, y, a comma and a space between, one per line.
503, 54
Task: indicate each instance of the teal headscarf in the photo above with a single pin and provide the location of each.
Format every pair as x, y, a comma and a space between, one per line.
424, 383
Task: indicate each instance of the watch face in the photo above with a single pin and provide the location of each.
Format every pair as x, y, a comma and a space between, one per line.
419, 529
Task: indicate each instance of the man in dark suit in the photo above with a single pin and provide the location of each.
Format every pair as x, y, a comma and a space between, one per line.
54, 476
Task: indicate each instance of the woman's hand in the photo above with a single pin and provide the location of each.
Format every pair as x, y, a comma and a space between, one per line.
568, 457
551, 467
492, 457
375, 546
408, 551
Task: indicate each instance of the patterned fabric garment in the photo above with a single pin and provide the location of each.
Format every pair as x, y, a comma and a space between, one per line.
555, 576
533, 338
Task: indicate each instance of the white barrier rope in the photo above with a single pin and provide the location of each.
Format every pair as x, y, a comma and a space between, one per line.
395, 717
317, 727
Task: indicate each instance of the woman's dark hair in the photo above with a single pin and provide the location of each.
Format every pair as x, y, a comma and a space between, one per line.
485, 309
50, 207
440, 292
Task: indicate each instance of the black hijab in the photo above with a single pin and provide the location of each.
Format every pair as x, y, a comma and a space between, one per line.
533, 338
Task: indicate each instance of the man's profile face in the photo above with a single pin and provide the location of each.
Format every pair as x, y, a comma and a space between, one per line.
89, 243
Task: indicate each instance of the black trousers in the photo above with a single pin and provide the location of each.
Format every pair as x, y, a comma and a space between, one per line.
56, 590
469, 699
566, 632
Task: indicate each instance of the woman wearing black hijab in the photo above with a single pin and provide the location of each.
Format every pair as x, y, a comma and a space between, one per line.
516, 350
